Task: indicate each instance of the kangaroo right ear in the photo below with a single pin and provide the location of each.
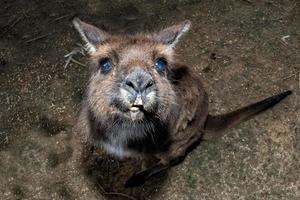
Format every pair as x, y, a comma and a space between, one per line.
91, 35
171, 35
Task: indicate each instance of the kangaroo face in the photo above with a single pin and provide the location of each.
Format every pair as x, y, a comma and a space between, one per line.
131, 74
131, 78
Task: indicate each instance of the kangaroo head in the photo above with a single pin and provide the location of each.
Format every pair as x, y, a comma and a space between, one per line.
132, 75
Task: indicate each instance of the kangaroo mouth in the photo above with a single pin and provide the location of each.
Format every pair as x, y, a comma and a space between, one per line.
136, 108
138, 105
136, 112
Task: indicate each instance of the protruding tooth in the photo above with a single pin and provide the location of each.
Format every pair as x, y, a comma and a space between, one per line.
138, 101
134, 109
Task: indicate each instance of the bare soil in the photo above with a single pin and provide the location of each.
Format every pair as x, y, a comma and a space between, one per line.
245, 50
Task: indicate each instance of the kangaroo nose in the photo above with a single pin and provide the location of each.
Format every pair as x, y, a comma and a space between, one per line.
139, 80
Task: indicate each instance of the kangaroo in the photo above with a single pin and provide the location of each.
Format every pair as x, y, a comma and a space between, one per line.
142, 103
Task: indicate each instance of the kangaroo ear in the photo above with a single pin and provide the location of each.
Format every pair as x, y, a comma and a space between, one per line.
91, 35
171, 35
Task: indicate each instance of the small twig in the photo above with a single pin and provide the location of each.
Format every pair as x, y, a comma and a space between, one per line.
77, 62
290, 76
70, 55
25, 13
68, 62
120, 194
283, 39
12, 25
9, 22
37, 38
75, 51
61, 17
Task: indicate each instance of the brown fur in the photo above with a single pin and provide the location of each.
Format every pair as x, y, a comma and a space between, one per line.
172, 122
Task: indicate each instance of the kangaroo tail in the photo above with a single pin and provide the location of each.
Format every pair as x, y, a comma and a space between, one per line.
215, 124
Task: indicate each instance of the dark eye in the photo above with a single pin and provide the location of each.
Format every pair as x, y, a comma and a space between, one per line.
105, 64
161, 64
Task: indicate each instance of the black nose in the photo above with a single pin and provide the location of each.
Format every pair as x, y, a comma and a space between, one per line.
139, 80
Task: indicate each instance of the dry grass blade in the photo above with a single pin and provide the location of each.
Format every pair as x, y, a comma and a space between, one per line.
69, 56
292, 75
78, 63
62, 17
37, 38
68, 62
14, 23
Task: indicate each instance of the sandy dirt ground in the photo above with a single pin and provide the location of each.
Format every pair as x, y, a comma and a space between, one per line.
245, 50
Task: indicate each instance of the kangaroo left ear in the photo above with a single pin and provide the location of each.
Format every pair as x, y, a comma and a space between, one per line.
92, 35
171, 35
